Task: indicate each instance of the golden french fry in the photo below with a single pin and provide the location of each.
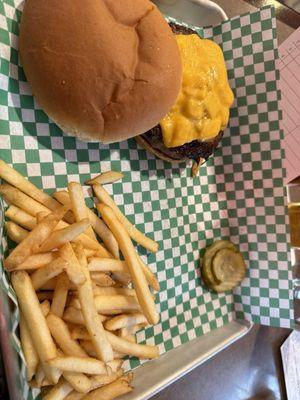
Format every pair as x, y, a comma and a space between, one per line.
60, 295
73, 316
102, 279
107, 265
87, 345
40, 375
45, 295
16, 197
102, 380
90, 253
59, 391
89, 311
51, 285
151, 278
15, 232
129, 338
45, 307
133, 232
138, 278
131, 330
85, 365
44, 274
13, 177
105, 177
112, 390
37, 236
40, 215
79, 382
124, 321
111, 304
35, 320
60, 237
74, 269
75, 396
111, 291
30, 354
38, 260
78, 205
20, 217
80, 332
115, 365
97, 224
133, 349
60, 332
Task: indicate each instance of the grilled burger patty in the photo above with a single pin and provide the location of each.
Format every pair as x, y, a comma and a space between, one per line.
194, 150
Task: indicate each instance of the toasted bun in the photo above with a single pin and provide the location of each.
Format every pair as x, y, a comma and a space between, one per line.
103, 70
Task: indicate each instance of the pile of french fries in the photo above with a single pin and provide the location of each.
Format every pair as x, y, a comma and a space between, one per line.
78, 317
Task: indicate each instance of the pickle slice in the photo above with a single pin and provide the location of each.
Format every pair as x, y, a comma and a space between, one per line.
228, 267
210, 252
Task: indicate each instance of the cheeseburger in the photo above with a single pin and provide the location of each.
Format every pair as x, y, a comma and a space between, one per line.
109, 70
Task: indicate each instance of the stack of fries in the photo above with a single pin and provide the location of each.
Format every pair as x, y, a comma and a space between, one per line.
78, 317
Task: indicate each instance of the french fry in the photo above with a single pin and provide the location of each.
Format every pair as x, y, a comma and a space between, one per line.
149, 275
75, 396
85, 365
60, 332
112, 390
111, 304
87, 345
74, 269
42, 275
133, 232
73, 316
101, 380
40, 375
51, 285
60, 295
45, 295
102, 279
65, 235
90, 253
33, 315
80, 332
20, 217
78, 205
107, 265
118, 266
38, 260
129, 338
15, 232
124, 321
37, 236
97, 224
111, 291
40, 215
45, 307
115, 365
59, 391
138, 350
89, 311
13, 177
30, 354
105, 177
131, 330
138, 278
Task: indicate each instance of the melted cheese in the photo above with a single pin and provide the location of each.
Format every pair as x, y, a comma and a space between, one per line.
202, 107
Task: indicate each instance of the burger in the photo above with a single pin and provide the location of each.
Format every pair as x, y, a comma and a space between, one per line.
108, 70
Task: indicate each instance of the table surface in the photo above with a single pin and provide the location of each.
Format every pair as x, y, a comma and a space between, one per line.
250, 368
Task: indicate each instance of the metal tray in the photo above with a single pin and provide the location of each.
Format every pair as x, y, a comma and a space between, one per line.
155, 375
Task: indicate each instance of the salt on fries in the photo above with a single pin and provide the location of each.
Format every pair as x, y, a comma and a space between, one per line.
77, 315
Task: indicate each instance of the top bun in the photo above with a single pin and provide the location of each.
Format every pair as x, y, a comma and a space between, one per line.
103, 70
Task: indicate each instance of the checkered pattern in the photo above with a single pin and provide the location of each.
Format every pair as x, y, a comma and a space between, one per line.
239, 194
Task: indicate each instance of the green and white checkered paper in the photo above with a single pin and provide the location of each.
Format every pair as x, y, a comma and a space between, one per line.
239, 194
